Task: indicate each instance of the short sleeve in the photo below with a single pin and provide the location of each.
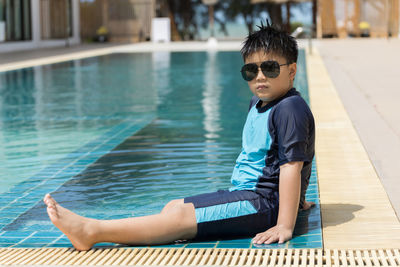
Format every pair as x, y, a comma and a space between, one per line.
292, 126
253, 101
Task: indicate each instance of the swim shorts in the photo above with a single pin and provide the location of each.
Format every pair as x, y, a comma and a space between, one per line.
237, 214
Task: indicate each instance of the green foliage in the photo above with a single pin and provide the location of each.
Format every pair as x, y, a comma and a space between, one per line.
294, 25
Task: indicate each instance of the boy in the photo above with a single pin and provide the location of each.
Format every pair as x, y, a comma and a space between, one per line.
269, 179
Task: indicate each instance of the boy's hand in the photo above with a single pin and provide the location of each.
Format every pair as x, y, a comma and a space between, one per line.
307, 205
278, 233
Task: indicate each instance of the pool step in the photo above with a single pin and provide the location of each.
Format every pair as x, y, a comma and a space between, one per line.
195, 257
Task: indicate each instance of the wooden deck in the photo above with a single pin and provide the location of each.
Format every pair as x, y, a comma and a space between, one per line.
356, 211
202, 257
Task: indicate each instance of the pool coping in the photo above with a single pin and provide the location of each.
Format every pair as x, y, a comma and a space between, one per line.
356, 211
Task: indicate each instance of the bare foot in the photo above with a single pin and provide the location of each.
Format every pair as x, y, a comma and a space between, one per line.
78, 229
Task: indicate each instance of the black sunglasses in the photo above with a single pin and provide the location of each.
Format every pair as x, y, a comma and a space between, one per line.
270, 69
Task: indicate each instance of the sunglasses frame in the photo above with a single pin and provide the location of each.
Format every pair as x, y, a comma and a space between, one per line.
267, 73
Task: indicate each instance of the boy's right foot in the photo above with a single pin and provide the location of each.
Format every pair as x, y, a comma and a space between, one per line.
78, 229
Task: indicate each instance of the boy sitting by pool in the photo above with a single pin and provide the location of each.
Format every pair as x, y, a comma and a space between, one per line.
269, 179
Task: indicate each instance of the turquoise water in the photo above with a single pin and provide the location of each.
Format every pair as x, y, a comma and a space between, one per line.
121, 135
48, 112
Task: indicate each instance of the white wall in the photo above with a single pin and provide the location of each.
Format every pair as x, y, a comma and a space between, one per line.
36, 34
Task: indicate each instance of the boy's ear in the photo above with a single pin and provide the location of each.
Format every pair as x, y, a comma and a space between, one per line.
292, 70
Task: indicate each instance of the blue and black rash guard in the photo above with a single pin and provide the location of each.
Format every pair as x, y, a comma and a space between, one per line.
282, 131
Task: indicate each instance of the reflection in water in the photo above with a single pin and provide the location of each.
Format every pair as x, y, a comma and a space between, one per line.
161, 61
211, 97
47, 112
211, 108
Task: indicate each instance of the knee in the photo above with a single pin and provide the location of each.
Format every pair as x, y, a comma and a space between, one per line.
173, 206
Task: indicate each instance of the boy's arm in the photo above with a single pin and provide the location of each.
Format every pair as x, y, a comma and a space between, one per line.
289, 197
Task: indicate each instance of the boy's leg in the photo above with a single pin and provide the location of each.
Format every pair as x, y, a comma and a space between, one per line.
176, 221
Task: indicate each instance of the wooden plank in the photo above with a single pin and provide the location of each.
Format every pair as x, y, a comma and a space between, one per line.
48, 259
71, 256
288, 257
221, 256
250, 257
320, 259
343, 257
60, 257
177, 254
79, 257
206, 256
228, 257
312, 258
149, 254
213, 256
366, 257
31, 253
242, 258
160, 257
128, 257
235, 257
359, 258
11, 255
48, 252
168, 257
351, 258
382, 257
397, 256
258, 257
375, 258
328, 257
190, 257
136, 257
273, 258
197, 259
281, 256
84, 255
115, 257
391, 257
99, 257
304, 257
107, 256
183, 257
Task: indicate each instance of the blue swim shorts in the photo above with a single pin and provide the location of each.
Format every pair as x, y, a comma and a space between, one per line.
237, 214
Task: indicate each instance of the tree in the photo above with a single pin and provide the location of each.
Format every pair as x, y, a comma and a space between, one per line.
182, 14
249, 12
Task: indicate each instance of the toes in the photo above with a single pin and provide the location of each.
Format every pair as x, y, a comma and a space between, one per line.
49, 200
52, 211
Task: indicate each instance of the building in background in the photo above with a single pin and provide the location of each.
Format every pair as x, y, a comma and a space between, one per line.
355, 18
342, 18
124, 20
28, 24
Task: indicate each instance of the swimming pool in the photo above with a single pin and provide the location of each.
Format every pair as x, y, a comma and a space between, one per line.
121, 135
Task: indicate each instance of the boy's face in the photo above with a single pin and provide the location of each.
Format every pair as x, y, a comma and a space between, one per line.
268, 89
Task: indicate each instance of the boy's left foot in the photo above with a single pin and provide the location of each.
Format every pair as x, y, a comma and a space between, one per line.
79, 230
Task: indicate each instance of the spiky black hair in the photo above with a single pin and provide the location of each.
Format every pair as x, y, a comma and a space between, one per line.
271, 39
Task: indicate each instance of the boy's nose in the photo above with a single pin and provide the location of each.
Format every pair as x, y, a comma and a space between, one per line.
260, 75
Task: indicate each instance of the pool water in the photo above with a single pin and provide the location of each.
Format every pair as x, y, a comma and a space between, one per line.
120, 135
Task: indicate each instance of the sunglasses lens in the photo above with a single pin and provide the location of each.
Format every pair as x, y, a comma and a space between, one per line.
249, 71
270, 69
